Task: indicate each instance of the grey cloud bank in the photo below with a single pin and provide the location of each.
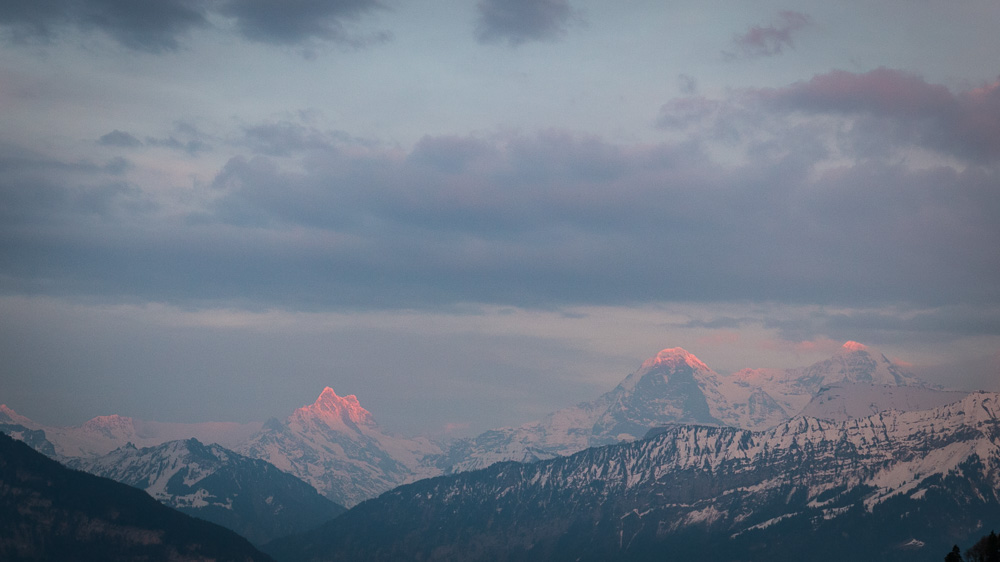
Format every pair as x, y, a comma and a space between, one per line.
546, 219
518, 21
163, 25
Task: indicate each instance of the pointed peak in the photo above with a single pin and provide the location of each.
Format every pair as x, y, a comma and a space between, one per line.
8, 414
856, 362
329, 406
327, 394
674, 357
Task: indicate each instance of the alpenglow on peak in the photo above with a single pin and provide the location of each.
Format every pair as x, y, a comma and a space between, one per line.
854, 346
674, 357
342, 407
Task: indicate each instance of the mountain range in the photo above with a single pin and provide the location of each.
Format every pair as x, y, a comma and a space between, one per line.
335, 444
890, 486
677, 387
264, 482
103, 434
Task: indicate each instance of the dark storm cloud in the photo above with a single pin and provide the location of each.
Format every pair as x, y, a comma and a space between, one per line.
769, 40
900, 107
520, 21
147, 26
157, 26
291, 22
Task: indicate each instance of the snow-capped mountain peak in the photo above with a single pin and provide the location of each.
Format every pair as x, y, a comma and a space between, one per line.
113, 427
335, 411
336, 445
853, 346
672, 358
7, 415
855, 362
671, 385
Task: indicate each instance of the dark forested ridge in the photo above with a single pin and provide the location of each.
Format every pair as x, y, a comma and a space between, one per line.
986, 549
50, 512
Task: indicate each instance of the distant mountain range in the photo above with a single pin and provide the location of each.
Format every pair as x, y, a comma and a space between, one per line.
676, 387
890, 486
336, 445
772, 417
49, 512
103, 434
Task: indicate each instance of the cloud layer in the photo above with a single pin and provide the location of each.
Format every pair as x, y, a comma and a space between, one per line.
501, 199
161, 25
900, 107
520, 21
770, 40
798, 211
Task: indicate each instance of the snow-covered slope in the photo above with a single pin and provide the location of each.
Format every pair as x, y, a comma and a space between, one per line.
844, 401
336, 445
249, 496
895, 478
677, 387
792, 389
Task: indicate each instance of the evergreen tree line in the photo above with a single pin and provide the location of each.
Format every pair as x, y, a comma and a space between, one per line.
986, 549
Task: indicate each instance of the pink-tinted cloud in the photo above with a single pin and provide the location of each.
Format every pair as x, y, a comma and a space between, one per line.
905, 108
770, 40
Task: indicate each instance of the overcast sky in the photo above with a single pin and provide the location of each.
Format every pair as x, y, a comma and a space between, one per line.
471, 213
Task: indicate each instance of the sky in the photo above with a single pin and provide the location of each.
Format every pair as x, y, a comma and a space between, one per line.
472, 213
